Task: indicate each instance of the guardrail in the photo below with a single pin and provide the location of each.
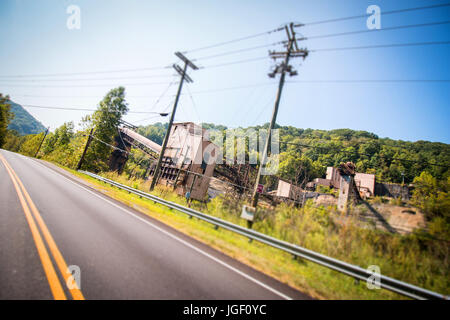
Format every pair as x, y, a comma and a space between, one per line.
354, 271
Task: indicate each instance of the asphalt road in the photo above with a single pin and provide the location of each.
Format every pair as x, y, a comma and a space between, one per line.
121, 253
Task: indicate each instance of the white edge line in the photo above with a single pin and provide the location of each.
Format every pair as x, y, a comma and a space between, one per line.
265, 286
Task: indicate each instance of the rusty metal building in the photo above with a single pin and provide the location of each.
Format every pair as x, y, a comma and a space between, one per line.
288, 190
365, 182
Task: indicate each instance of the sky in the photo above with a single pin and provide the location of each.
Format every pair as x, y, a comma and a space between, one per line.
138, 35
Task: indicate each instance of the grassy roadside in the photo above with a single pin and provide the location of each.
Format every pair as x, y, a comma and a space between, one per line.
310, 278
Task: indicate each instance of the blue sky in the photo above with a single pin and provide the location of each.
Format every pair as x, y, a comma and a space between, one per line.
117, 35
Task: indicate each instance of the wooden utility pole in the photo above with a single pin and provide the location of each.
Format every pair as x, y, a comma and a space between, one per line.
292, 51
40, 145
88, 142
184, 76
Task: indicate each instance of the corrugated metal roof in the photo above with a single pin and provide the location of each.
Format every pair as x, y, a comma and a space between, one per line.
146, 142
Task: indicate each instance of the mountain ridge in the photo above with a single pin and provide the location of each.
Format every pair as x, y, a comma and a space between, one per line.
23, 122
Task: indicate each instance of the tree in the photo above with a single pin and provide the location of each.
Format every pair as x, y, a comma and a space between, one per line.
60, 138
30, 144
13, 141
105, 121
5, 117
298, 169
432, 196
154, 132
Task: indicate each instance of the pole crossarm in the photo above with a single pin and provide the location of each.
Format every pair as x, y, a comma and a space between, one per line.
182, 73
186, 60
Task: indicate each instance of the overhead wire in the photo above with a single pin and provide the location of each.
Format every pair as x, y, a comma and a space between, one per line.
263, 109
88, 79
84, 73
320, 36
80, 109
371, 81
84, 85
391, 45
234, 40
236, 51
260, 85
367, 14
163, 94
145, 119
193, 102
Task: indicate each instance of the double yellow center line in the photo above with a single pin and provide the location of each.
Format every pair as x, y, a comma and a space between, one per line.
32, 216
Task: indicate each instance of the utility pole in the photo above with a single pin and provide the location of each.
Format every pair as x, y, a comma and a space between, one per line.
88, 142
292, 51
40, 145
184, 76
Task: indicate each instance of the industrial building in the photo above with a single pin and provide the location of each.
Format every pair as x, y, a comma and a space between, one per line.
188, 163
189, 160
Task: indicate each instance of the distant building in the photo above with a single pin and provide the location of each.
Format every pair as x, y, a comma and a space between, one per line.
365, 182
345, 191
288, 190
334, 177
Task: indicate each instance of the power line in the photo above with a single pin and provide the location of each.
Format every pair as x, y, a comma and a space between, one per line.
249, 60
318, 50
88, 79
237, 51
193, 102
260, 85
84, 73
83, 85
110, 145
319, 81
169, 104
247, 106
163, 94
372, 81
235, 40
234, 62
145, 119
263, 109
367, 15
373, 30
83, 109
392, 45
233, 88
77, 96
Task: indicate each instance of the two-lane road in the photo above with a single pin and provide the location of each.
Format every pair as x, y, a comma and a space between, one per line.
121, 253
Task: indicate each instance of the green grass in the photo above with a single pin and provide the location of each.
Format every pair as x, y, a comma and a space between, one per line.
317, 281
